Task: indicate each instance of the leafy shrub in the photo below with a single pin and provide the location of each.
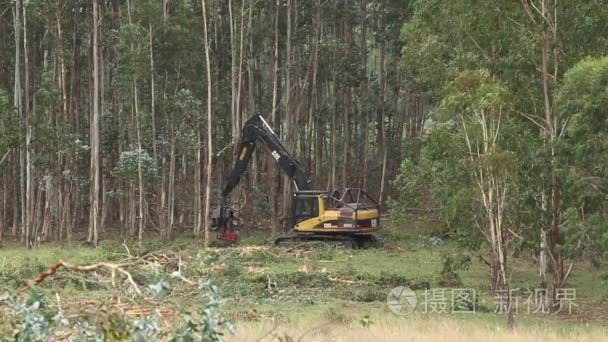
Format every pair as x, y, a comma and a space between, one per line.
302, 279
368, 295
604, 278
451, 266
30, 320
128, 166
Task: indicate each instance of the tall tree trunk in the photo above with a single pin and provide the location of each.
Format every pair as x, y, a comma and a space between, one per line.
165, 10
381, 133
4, 70
209, 128
29, 188
239, 87
493, 187
95, 173
3, 208
197, 208
233, 77
103, 210
347, 28
251, 59
140, 174
314, 92
171, 200
49, 198
364, 94
334, 152
74, 109
543, 16
61, 159
288, 132
18, 104
152, 95
16, 197
240, 70
17, 99
273, 172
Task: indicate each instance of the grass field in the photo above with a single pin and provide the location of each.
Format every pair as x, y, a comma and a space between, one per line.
320, 293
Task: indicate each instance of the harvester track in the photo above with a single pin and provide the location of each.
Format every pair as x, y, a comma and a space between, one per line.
353, 241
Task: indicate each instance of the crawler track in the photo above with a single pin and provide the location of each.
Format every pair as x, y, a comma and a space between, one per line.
353, 241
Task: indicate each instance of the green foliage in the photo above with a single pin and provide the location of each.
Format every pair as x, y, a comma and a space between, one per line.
446, 37
439, 184
479, 102
133, 62
161, 288
31, 320
582, 102
583, 99
472, 131
257, 210
3, 101
258, 200
473, 92
209, 324
605, 279
128, 166
585, 236
9, 124
451, 265
31, 323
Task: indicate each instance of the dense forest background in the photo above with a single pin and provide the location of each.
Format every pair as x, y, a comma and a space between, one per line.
105, 106
486, 116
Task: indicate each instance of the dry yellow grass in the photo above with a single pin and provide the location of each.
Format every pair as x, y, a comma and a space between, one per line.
390, 329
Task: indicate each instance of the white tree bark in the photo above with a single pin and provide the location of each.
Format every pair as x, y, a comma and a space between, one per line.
94, 130
209, 128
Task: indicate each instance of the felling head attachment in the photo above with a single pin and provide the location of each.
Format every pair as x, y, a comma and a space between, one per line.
225, 222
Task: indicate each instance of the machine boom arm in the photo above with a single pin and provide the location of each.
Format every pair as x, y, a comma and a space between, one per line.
256, 130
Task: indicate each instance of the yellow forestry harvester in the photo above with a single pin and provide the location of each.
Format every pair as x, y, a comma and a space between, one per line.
345, 217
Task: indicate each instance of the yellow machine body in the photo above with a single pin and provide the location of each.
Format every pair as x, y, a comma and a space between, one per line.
320, 213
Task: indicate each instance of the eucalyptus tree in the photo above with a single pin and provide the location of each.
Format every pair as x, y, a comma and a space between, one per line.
583, 159
480, 104
528, 45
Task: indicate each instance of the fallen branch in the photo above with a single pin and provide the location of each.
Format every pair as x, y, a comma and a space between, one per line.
179, 272
295, 247
346, 281
83, 268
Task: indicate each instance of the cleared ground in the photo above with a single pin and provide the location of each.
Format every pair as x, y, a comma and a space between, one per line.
316, 293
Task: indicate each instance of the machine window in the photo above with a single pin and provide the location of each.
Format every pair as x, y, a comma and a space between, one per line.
305, 208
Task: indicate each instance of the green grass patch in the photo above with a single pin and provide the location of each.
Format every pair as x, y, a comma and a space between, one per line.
320, 283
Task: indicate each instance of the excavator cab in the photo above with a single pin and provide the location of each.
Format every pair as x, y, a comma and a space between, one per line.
307, 205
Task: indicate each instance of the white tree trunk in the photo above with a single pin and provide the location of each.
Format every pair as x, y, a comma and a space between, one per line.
209, 167
95, 174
